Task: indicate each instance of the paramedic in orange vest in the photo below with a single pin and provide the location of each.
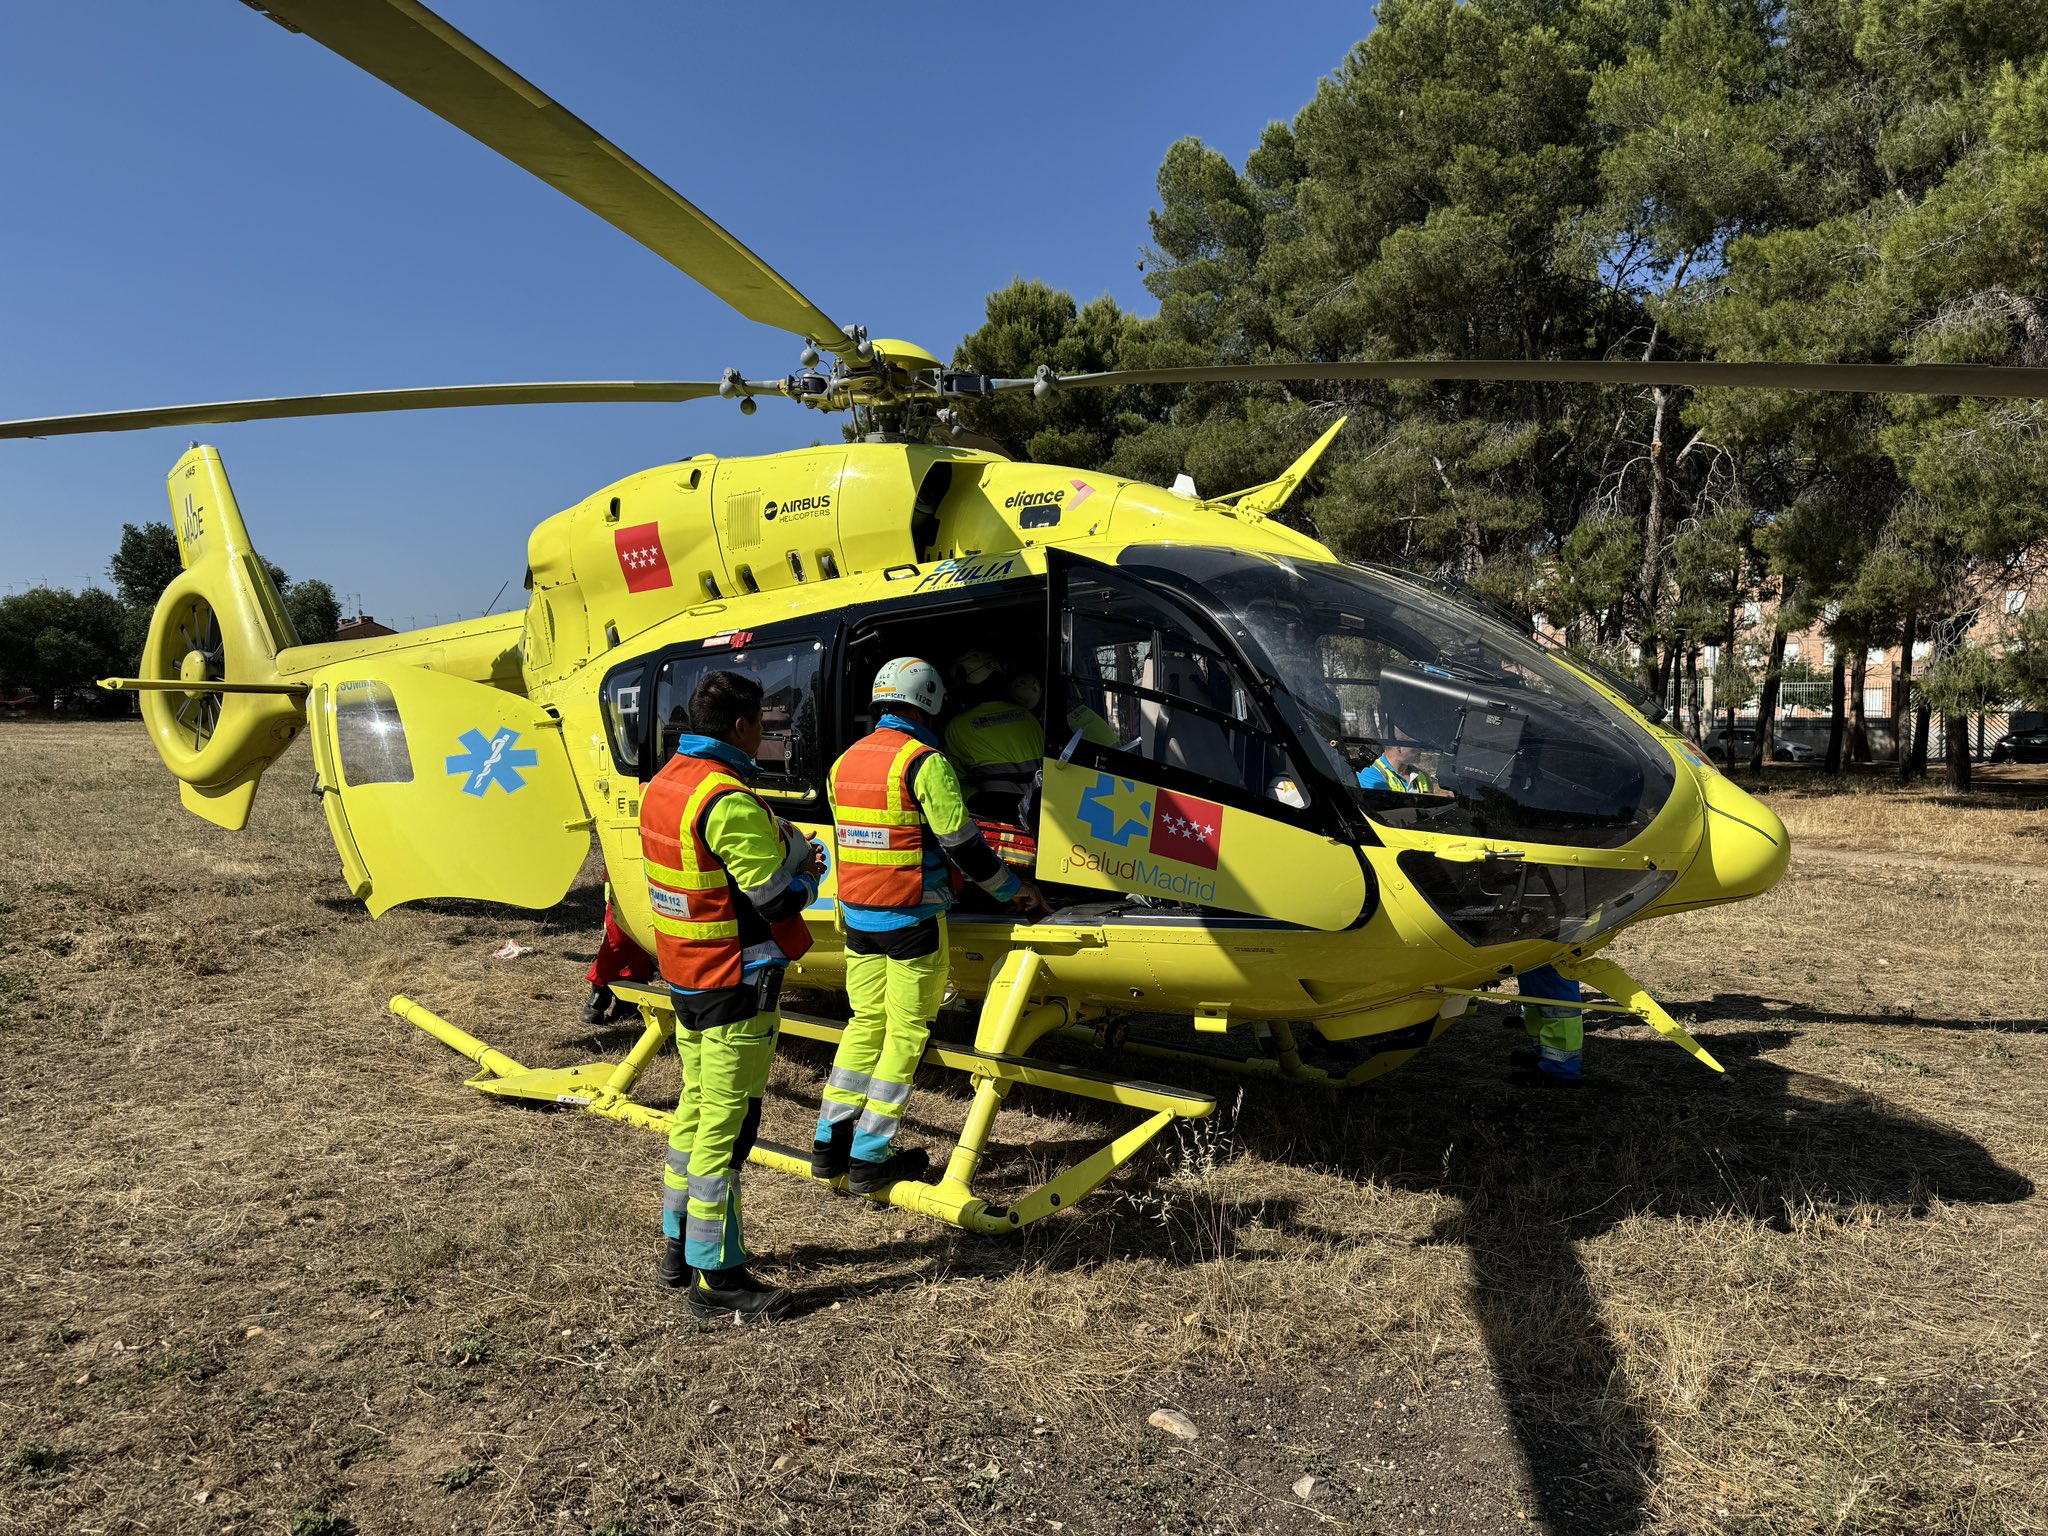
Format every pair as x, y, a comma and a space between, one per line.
729, 881
899, 816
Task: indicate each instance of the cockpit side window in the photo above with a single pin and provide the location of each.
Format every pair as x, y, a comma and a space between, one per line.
1142, 680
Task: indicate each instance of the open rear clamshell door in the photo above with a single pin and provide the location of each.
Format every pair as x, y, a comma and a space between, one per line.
435, 786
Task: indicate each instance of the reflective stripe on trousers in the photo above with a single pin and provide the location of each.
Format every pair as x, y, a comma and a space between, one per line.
894, 1003
846, 1091
725, 1072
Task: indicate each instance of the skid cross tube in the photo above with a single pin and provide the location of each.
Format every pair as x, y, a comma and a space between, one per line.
1009, 1026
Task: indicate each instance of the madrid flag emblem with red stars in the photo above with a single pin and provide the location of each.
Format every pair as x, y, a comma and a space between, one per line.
1187, 829
641, 557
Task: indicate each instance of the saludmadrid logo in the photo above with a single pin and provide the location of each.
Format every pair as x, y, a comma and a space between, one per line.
797, 507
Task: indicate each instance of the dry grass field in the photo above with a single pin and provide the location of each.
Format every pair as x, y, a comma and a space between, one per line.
267, 1267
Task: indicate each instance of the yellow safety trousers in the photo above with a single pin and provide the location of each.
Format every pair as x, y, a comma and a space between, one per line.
894, 1003
725, 1072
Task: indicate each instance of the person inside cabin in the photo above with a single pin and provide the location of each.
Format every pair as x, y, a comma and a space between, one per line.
1551, 1015
996, 743
1028, 693
1398, 767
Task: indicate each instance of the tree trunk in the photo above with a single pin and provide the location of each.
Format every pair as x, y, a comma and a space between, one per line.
1692, 684
1728, 714
1838, 690
1920, 722
1650, 583
1859, 723
1957, 729
1767, 704
1902, 696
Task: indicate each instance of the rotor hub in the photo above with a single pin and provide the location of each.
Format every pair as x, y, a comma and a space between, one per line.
196, 669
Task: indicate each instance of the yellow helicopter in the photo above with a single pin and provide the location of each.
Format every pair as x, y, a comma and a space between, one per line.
1213, 681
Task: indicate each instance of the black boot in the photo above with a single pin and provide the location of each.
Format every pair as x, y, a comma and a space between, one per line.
675, 1271
1526, 1072
714, 1293
596, 1006
866, 1178
829, 1158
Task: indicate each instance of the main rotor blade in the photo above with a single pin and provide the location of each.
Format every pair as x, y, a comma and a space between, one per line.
414, 51
1979, 379
359, 403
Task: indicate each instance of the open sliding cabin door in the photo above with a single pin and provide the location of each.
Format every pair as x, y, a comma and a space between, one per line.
1164, 776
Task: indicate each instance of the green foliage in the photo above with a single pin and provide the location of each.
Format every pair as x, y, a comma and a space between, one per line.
319, 1520
1028, 325
1823, 180
146, 562
2025, 655
313, 609
1967, 680
59, 643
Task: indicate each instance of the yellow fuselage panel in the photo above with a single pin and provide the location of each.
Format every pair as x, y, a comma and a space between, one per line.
731, 531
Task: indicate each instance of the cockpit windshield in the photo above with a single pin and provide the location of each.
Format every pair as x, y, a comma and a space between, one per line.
1429, 713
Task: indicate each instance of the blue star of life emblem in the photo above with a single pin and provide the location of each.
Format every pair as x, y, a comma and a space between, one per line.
1115, 810
496, 761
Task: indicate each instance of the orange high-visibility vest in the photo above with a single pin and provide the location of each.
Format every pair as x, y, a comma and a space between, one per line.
704, 933
878, 829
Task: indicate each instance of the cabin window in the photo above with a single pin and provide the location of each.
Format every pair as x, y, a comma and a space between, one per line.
625, 719
369, 737
791, 742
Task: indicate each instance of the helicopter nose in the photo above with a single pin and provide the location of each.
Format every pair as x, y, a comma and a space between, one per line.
1745, 847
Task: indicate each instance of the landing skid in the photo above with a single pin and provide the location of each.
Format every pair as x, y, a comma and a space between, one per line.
1008, 1028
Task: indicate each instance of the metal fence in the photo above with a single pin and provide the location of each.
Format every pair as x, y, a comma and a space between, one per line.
1812, 732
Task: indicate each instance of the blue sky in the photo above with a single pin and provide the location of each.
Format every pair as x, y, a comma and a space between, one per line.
202, 206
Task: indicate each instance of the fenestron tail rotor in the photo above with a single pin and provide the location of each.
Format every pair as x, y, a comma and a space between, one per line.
196, 711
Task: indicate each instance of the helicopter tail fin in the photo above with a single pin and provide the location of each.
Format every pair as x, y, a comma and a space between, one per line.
219, 620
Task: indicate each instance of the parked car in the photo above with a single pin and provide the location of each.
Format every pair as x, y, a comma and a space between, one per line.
2022, 746
1782, 749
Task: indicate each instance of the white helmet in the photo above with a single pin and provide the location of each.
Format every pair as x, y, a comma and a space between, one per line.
974, 668
1027, 691
907, 680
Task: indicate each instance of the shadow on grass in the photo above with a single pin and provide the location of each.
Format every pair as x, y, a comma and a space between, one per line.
1749, 1007
580, 912
1538, 1171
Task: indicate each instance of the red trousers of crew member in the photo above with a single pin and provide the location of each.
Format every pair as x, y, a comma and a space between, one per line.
618, 957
